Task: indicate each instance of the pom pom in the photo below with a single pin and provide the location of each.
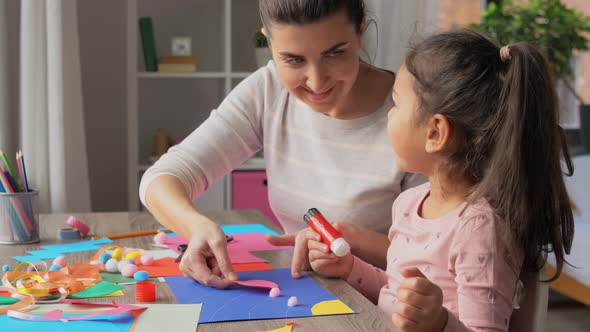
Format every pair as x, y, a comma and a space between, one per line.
133, 256
160, 238
5, 268
128, 270
112, 265
54, 267
141, 276
121, 264
59, 260
274, 292
146, 260
104, 257
292, 301
117, 254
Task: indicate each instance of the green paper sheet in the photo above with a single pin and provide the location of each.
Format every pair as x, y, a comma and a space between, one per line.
101, 289
117, 278
6, 300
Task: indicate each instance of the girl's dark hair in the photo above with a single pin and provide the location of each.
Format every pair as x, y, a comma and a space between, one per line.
511, 145
309, 11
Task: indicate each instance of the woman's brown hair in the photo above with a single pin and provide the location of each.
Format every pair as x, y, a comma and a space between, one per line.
511, 146
309, 11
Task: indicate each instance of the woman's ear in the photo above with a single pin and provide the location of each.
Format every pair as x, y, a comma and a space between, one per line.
439, 134
263, 30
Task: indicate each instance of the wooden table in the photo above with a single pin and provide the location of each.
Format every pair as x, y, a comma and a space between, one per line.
369, 317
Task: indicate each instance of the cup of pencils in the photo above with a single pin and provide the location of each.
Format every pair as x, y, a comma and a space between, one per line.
19, 206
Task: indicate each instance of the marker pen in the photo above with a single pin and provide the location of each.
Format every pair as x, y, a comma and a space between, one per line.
329, 234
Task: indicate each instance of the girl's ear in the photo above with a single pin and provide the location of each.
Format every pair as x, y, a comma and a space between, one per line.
439, 134
263, 30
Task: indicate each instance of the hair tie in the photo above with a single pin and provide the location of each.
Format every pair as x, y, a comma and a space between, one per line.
505, 53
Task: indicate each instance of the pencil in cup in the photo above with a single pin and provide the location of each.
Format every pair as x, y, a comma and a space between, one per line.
18, 211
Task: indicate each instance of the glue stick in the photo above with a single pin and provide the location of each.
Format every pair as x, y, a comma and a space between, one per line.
329, 234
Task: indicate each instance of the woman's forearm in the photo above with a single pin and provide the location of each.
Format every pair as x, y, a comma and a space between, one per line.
169, 203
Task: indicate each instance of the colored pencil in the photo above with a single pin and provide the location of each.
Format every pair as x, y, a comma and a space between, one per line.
132, 234
10, 171
22, 163
23, 233
17, 202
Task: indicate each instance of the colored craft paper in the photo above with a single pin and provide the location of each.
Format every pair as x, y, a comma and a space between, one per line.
251, 267
257, 283
163, 267
239, 248
330, 308
4, 300
54, 250
247, 228
10, 324
163, 317
240, 229
118, 279
100, 289
240, 303
286, 328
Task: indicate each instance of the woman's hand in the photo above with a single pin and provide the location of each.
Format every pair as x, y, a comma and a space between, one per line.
325, 262
419, 304
206, 259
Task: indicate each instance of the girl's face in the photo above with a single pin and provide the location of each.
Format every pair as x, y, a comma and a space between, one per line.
408, 136
317, 62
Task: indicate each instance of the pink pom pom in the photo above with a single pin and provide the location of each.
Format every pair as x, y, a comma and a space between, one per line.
146, 260
128, 270
160, 238
77, 224
274, 292
59, 260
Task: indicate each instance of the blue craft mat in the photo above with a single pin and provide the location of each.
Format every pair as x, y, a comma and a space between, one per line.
113, 323
247, 303
240, 229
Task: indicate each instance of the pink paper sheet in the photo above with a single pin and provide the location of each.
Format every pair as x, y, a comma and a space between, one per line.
257, 283
239, 248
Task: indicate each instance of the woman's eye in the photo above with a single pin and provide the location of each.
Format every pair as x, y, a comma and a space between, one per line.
335, 53
293, 61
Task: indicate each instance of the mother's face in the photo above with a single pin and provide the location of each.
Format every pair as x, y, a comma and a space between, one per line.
317, 62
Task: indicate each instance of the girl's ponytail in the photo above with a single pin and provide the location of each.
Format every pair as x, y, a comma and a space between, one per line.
524, 177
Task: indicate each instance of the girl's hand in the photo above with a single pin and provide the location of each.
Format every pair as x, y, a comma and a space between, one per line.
419, 304
323, 261
206, 259
299, 261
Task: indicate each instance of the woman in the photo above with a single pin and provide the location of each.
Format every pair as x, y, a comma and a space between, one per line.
319, 113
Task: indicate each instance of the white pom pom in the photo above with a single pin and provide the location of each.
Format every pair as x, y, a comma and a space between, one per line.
112, 265
292, 301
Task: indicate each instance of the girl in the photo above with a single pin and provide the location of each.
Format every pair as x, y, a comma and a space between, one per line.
318, 113
481, 123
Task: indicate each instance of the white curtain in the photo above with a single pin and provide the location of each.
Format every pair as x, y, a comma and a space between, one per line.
398, 22
50, 114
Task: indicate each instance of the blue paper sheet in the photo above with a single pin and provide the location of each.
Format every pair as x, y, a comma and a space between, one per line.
118, 323
54, 250
247, 228
246, 303
240, 229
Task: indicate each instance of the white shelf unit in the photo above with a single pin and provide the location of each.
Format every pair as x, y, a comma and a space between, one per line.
221, 34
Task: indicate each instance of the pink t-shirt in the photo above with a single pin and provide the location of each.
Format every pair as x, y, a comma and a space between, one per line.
467, 253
